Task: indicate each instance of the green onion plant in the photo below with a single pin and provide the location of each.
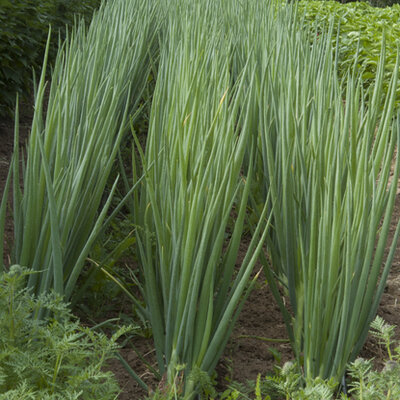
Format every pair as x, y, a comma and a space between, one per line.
327, 158
188, 242
97, 82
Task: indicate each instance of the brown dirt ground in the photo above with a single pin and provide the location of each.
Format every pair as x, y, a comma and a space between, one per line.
244, 357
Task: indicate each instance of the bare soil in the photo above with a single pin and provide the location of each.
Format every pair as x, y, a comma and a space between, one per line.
248, 352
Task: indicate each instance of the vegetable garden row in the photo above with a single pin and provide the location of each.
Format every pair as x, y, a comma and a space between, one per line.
256, 129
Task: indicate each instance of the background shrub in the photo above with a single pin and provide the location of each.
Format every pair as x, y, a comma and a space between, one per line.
23, 33
375, 3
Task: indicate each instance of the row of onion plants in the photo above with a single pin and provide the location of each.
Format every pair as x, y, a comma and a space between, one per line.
97, 81
326, 157
188, 240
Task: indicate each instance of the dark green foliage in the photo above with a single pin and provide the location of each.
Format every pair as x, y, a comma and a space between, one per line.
23, 33
52, 359
374, 3
383, 3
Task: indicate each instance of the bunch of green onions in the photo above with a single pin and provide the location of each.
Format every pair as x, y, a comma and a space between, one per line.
325, 155
97, 82
187, 241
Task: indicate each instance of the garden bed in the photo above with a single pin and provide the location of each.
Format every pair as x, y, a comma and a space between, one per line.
248, 353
